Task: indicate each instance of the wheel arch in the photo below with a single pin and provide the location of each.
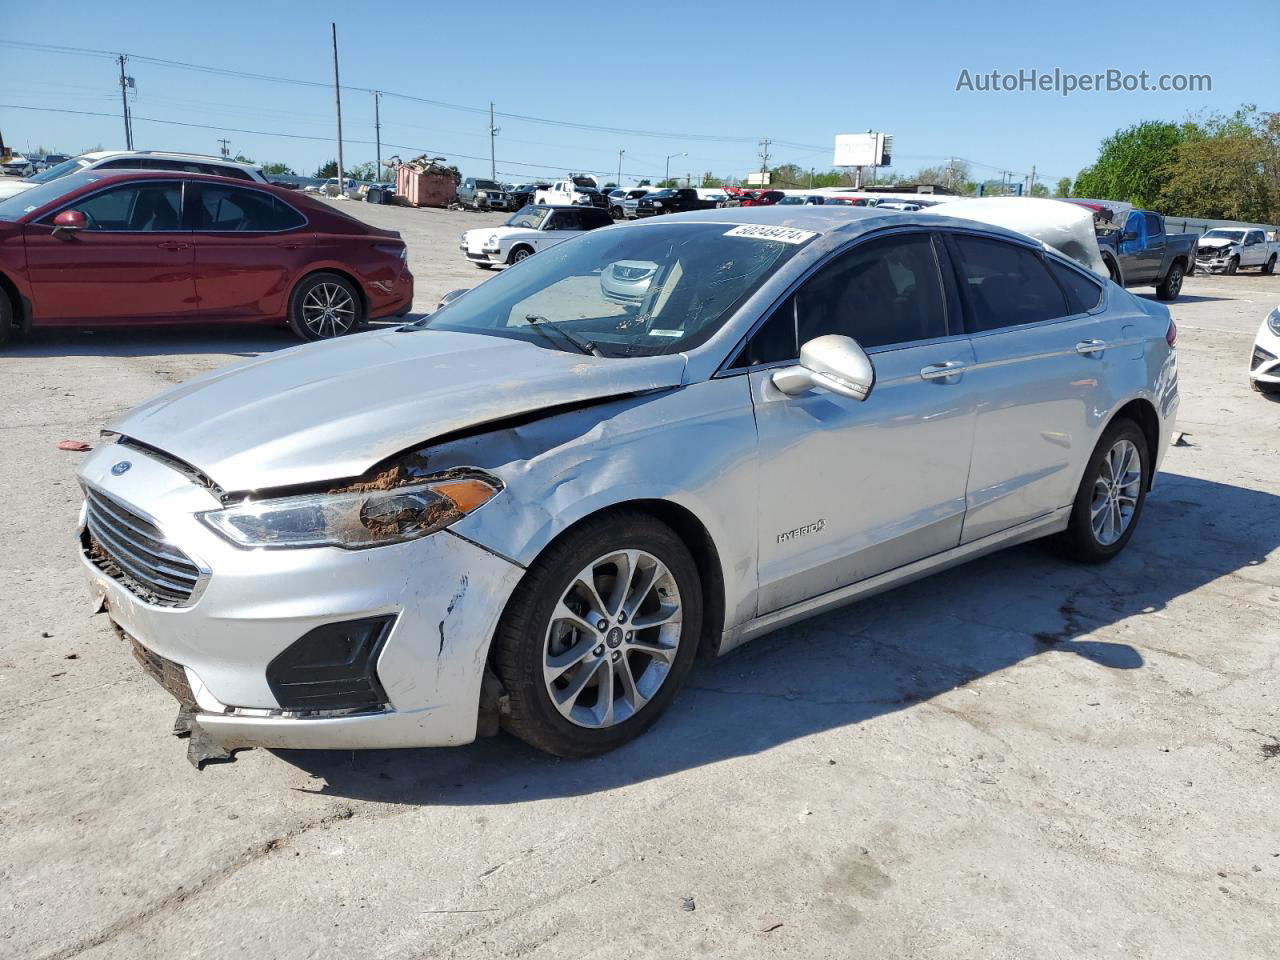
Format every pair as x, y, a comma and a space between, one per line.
1142, 412
1113, 266
20, 304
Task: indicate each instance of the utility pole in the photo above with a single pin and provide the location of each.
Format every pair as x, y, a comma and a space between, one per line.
337, 96
620, 153
377, 129
1031, 185
224, 143
124, 104
493, 132
764, 160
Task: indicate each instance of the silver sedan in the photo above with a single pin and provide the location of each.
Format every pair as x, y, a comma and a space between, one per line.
534, 508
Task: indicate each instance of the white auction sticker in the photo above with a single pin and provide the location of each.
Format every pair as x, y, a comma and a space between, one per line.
760, 231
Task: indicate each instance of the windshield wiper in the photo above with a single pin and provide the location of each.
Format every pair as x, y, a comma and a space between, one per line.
585, 346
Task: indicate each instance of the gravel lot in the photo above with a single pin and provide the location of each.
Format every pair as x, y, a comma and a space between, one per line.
1018, 758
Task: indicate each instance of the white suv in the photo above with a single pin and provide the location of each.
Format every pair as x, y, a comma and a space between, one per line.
138, 160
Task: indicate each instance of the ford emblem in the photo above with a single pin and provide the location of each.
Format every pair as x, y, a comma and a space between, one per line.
121, 467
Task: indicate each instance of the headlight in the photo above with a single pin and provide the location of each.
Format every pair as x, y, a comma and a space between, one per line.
354, 520
492, 241
1273, 321
657, 203
481, 193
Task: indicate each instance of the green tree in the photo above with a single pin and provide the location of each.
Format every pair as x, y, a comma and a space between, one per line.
709, 179
327, 170
1133, 163
1064, 188
1039, 190
278, 169
1220, 177
363, 171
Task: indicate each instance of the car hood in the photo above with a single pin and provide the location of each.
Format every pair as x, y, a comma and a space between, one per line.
332, 410
1216, 242
11, 188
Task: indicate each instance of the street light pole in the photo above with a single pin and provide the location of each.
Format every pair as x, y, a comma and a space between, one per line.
620, 153
668, 176
337, 98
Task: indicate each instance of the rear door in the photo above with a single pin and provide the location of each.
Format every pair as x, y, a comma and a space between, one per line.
1042, 349
133, 262
250, 249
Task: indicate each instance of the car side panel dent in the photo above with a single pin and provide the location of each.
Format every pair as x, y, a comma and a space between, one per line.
694, 446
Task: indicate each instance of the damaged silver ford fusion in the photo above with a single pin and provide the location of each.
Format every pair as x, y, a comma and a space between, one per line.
535, 507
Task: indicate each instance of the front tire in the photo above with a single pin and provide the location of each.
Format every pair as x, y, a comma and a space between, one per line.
1269, 389
1171, 285
324, 306
6, 318
1109, 503
599, 636
518, 254
1232, 266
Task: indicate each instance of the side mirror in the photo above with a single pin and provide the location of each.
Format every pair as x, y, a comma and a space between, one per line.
68, 222
451, 296
832, 362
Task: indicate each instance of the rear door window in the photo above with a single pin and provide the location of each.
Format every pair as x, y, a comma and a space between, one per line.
1082, 293
1006, 285
234, 210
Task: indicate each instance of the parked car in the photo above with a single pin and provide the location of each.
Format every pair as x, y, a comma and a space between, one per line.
631, 202
476, 193
52, 160
536, 506
17, 166
138, 160
527, 232
716, 195
350, 188
521, 195
798, 200
760, 198
672, 200
1143, 254
577, 190
1227, 249
100, 249
1264, 366
618, 197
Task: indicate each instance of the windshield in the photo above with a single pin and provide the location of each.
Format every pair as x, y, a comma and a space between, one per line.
1224, 235
632, 291
20, 204
61, 170
530, 217
487, 185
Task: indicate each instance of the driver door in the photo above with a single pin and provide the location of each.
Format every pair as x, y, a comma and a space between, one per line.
132, 263
850, 488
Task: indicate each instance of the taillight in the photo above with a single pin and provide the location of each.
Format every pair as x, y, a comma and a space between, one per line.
1171, 335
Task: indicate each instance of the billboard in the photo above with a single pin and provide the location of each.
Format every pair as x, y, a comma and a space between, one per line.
863, 149
758, 179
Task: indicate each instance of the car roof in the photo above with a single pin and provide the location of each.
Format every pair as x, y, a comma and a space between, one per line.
832, 219
169, 155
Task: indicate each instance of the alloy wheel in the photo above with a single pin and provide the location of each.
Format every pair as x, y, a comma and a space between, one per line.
328, 310
612, 639
1115, 492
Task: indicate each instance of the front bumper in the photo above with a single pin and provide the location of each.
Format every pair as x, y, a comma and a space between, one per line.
1264, 361
484, 256
1213, 264
444, 593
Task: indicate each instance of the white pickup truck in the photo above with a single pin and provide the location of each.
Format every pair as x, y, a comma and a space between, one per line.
1227, 249
577, 190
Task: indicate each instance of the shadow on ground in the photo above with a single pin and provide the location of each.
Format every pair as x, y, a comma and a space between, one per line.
889, 653
236, 341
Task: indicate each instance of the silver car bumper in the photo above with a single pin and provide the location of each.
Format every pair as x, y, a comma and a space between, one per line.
443, 593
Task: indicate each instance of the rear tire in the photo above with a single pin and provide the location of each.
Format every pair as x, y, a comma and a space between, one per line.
6, 318
1115, 481
1171, 285
324, 306
1269, 267
542, 624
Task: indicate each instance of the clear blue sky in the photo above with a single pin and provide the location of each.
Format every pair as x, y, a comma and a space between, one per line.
673, 68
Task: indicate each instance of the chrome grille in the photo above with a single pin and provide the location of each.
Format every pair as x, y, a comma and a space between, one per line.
134, 551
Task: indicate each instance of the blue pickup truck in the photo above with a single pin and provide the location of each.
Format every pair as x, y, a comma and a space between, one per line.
1140, 253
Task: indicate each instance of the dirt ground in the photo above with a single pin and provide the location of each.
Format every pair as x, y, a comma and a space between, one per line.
1017, 758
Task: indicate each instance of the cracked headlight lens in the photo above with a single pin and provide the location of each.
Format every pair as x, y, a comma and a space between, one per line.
356, 519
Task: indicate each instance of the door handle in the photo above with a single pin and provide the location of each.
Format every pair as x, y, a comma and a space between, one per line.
1091, 346
941, 371
290, 244
173, 245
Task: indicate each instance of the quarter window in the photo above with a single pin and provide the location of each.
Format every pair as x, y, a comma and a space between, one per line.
1082, 293
882, 292
141, 207
232, 210
1007, 285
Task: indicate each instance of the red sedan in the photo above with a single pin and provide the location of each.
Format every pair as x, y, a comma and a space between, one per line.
151, 247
